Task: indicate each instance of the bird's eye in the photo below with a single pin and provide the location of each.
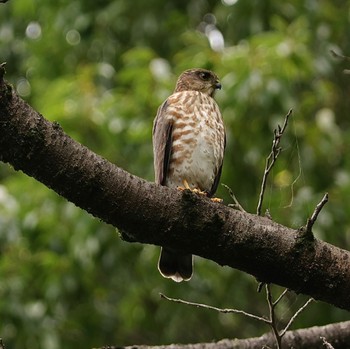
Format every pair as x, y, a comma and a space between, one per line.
204, 75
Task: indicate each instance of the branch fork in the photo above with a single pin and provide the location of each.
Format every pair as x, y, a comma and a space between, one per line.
306, 231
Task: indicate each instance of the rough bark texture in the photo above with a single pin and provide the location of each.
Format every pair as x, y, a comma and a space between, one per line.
338, 335
147, 213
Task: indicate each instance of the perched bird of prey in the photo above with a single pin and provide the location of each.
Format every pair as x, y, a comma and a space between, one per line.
188, 146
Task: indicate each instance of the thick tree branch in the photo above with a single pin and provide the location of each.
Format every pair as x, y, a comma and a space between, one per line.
309, 338
147, 213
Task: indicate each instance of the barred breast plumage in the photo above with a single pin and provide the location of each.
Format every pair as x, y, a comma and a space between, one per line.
197, 140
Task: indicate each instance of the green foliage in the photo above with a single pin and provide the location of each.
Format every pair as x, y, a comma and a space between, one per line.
101, 69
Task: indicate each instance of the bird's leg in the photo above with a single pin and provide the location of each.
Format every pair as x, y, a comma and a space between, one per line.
197, 191
186, 186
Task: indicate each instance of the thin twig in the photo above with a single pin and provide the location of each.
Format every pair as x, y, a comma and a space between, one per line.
283, 332
272, 304
233, 197
260, 286
225, 311
338, 55
272, 319
311, 221
268, 214
280, 297
326, 344
271, 159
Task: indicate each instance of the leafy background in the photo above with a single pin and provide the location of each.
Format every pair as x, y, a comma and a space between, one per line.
100, 69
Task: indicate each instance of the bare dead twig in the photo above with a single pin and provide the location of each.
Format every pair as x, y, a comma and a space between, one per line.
233, 197
272, 323
268, 214
283, 332
260, 286
327, 344
311, 221
338, 55
280, 297
271, 320
271, 159
225, 311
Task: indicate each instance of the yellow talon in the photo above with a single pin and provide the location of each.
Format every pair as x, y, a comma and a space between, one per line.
200, 192
186, 186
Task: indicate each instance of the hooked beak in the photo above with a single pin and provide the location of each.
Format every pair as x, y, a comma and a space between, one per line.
217, 85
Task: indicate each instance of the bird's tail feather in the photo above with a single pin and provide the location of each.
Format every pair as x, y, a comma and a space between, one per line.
174, 265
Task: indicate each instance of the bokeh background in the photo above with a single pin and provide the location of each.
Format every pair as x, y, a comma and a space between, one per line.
100, 69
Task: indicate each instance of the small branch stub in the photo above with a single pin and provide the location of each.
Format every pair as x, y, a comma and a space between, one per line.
236, 204
311, 221
326, 344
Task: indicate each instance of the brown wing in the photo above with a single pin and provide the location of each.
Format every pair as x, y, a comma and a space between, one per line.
218, 175
162, 141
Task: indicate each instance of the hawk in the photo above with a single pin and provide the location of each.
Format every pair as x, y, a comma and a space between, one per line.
188, 146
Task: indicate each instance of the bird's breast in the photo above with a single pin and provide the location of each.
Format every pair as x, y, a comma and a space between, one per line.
197, 140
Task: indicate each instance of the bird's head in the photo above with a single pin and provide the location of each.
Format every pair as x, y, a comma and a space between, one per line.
201, 80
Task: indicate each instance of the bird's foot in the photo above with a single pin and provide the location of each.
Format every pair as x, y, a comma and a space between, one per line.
194, 190
216, 200
186, 186
200, 192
